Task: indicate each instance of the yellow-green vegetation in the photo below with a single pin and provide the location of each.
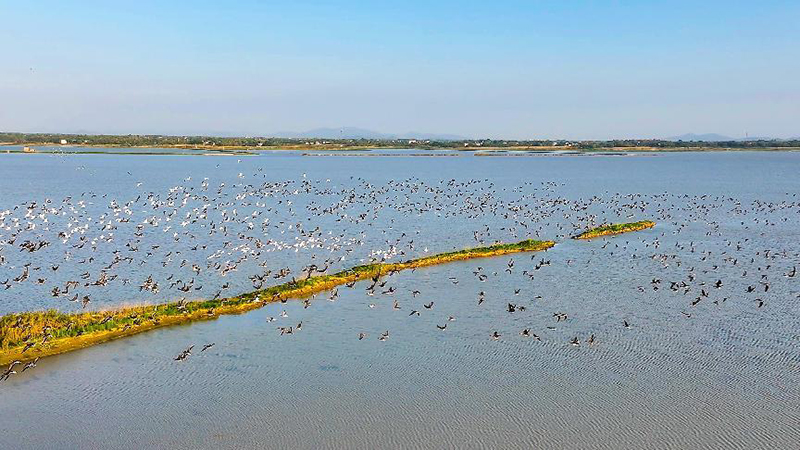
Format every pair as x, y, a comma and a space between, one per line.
619, 228
25, 336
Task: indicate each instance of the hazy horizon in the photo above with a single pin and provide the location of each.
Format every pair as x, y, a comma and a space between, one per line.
509, 70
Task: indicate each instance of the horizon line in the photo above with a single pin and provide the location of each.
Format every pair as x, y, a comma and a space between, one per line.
409, 135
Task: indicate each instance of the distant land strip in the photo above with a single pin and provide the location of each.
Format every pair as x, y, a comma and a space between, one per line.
224, 144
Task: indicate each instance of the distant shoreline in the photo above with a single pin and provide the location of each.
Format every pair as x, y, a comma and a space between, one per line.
222, 145
349, 150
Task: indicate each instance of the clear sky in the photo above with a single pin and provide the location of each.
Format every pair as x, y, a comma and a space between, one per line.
507, 69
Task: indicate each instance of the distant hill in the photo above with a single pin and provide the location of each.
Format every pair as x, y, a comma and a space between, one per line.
713, 137
708, 137
361, 133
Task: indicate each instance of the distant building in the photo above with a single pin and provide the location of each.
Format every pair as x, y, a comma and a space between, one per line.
27, 149
63, 142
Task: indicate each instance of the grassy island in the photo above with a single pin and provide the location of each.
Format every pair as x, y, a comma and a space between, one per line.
28, 335
619, 228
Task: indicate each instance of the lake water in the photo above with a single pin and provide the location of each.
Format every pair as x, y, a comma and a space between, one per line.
722, 373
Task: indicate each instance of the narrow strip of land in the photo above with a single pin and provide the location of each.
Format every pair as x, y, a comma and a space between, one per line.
619, 228
28, 335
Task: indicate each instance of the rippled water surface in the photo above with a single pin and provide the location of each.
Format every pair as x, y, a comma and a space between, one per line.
709, 357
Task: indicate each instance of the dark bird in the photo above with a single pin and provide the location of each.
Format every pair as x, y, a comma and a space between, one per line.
10, 371
184, 354
30, 364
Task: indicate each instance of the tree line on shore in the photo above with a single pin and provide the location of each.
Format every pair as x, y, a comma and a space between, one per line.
150, 140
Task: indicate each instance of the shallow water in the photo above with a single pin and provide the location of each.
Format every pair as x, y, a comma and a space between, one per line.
726, 377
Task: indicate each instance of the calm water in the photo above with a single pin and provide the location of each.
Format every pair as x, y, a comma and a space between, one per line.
722, 373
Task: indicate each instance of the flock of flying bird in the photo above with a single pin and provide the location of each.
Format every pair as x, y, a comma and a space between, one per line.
195, 239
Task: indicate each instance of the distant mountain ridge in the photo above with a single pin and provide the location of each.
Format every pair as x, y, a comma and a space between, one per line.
361, 133
707, 137
713, 137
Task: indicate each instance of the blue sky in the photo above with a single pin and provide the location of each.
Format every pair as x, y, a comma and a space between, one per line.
504, 69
